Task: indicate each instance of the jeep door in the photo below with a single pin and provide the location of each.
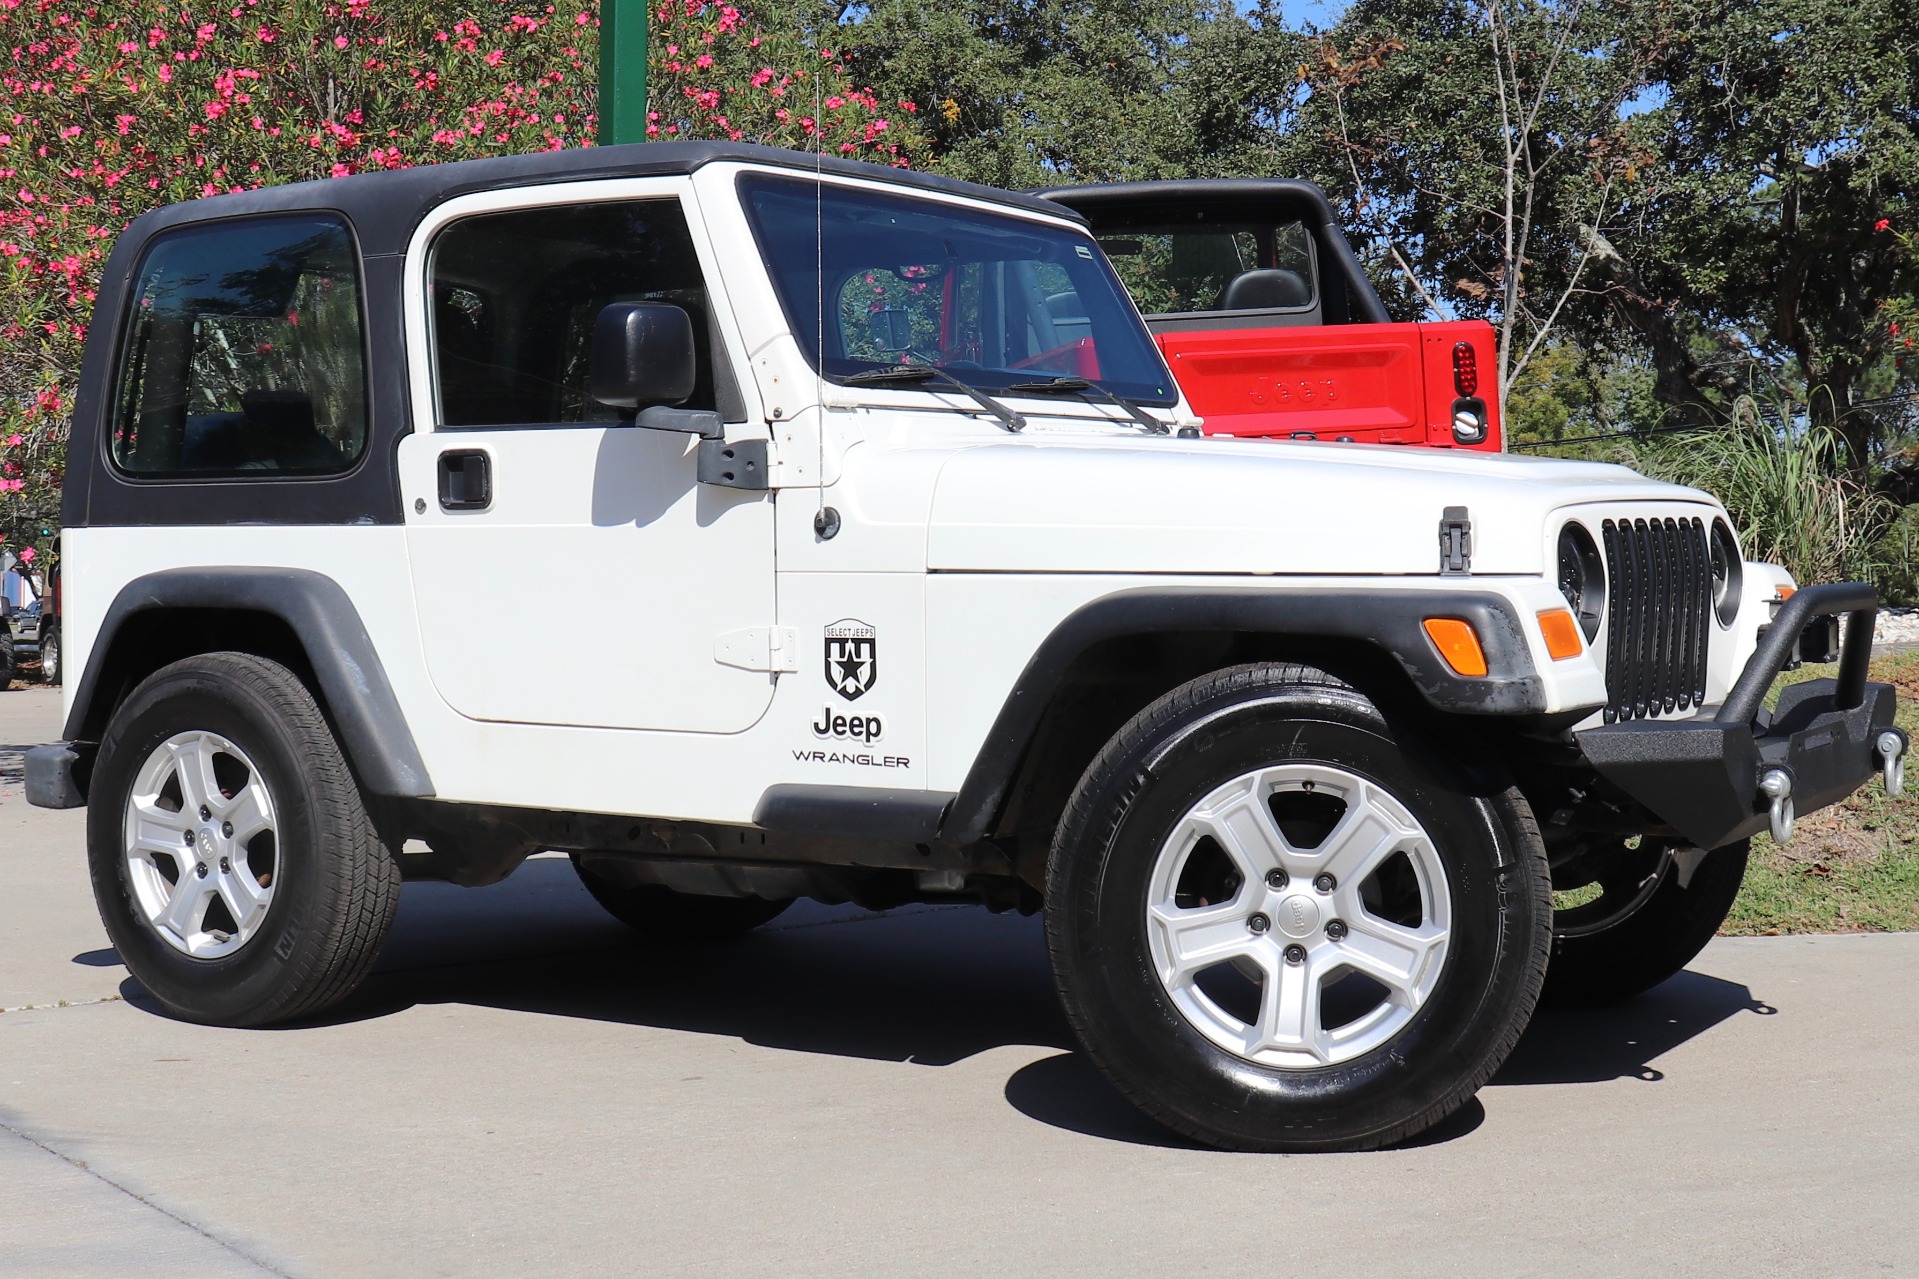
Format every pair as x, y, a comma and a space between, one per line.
567, 565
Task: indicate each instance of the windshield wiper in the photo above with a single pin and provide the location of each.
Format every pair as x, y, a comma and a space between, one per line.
1011, 419
1080, 386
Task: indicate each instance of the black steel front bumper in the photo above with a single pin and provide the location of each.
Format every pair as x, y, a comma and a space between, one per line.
1707, 777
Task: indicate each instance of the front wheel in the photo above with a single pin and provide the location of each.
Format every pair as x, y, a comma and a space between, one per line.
233, 860
1275, 928
1646, 912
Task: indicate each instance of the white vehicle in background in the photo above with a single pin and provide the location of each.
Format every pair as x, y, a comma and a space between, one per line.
881, 587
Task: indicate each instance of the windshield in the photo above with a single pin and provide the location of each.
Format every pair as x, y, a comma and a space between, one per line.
994, 299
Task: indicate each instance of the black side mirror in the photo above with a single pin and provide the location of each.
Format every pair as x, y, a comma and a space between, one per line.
643, 354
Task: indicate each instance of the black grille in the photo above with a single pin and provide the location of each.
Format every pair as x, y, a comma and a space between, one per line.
1659, 575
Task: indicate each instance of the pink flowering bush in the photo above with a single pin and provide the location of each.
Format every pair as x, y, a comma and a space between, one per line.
112, 109
716, 74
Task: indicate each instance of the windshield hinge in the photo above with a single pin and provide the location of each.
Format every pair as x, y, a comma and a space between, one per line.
759, 648
1455, 542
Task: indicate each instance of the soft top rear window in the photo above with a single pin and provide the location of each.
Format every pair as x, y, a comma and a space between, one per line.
242, 352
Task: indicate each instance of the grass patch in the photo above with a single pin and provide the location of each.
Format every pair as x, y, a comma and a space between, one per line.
1853, 867
1577, 896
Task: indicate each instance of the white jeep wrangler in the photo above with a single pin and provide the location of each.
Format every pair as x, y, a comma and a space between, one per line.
887, 565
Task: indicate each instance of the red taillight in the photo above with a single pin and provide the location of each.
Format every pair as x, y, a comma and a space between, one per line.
1465, 370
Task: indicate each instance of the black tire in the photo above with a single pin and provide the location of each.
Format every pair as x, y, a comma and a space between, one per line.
50, 655
1172, 755
7, 668
335, 884
1643, 927
660, 915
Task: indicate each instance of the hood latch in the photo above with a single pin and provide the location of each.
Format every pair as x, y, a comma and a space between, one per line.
1455, 542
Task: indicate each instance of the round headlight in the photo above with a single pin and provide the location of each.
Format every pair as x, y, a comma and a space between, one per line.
1582, 577
1727, 570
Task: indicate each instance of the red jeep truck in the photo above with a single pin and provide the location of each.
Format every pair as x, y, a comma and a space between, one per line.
1270, 324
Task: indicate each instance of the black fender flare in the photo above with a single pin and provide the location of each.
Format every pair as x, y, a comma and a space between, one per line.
359, 700
1388, 620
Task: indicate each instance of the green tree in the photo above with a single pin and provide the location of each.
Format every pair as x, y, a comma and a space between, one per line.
1788, 149
1488, 150
1052, 91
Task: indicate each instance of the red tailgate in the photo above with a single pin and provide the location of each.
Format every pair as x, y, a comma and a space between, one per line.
1364, 382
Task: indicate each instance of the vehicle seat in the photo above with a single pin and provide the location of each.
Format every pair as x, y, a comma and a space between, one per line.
280, 433
1266, 289
211, 442
1069, 317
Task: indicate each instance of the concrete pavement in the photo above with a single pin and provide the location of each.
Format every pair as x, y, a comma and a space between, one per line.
520, 1090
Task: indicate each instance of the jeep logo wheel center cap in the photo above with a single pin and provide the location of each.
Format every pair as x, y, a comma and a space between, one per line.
1297, 916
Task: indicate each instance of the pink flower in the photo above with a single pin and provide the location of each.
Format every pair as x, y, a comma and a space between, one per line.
15, 441
26, 552
1883, 224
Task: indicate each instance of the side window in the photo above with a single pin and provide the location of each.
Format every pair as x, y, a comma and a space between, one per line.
515, 296
1197, 269
243, 352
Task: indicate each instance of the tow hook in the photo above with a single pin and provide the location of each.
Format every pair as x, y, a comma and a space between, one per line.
1776, 785
1892, 757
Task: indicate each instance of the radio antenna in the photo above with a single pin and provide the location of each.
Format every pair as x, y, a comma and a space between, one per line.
820, 520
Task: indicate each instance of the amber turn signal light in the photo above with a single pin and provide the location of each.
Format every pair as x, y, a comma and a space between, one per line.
1457, 644
1561, 630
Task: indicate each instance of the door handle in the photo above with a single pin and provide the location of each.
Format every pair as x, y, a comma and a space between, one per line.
466, 480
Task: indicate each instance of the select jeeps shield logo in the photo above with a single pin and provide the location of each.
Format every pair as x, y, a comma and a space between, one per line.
852, 657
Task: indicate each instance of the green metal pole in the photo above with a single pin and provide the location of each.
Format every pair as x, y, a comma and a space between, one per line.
622, 71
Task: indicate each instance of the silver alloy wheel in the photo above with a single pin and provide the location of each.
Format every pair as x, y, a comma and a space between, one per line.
202, 845
50, 658
1289, 932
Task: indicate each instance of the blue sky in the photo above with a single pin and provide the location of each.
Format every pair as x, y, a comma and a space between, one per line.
1322, 12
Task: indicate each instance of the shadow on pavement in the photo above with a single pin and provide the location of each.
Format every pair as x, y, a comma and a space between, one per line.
1592, 1045
13, 764
926, 985
1067, 1091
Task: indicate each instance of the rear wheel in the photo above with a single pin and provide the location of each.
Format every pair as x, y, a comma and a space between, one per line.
661, 915
1275, 928
233, 860
1641, 916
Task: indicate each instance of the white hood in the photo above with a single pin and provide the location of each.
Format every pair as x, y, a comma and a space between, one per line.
1156, 505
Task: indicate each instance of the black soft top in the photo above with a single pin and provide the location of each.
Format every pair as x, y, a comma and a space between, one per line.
383, 210
384, 207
